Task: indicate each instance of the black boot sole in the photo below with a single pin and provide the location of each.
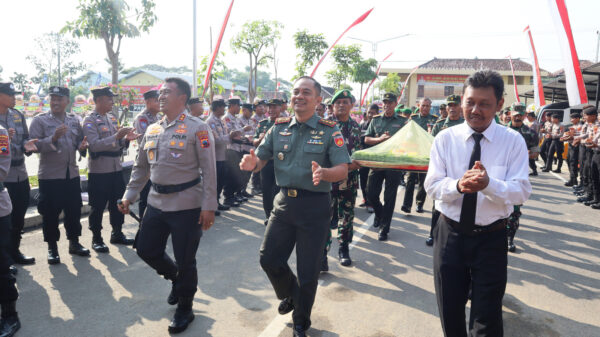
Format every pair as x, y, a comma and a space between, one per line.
178, 329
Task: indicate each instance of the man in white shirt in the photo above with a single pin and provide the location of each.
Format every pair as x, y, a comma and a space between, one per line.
477, 171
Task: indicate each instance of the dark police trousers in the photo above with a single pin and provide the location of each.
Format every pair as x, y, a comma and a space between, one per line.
8, 290
585, 157
105, 188
573, 161
234, 180
544, 150
385, 211
460, 260
269, 187
302, 222
58, 195
595, 175
185, 235
413, 179
144, 199
19, 197
221, 176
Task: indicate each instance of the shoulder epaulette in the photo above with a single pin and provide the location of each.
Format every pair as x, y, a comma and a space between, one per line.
440, 121
327, 122
377, 116
414, 115
283, 120
264, 121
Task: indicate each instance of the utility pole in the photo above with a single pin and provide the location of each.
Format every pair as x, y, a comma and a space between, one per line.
194, 71
597, 44
58, 53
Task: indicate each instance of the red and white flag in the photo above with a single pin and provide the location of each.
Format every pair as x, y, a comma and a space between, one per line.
538, 87
573, 76
216, 50
512, 68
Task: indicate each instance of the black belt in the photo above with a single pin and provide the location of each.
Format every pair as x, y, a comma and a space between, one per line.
95, 155
476, 230
168, 189
298, 193
17, 162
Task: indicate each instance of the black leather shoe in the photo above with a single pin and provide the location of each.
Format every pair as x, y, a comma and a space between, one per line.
512, 248
99, 246
53, 257
77, 249
299, 331
231, 202
13, 270
223, 207
183, 315
285, 306
172, 299
119, 238
376, 222
383, 236
569, 183
591, 202
546, 170
420, 209
405, 209
9, 325
596, 206
429, 241
533, 174
583, 199
240, 198
246, 195
344, 256
20, 258
556, 171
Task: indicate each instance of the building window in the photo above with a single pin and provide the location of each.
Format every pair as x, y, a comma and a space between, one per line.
421, 91
448, 90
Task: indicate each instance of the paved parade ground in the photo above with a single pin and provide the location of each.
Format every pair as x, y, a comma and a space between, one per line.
553, 280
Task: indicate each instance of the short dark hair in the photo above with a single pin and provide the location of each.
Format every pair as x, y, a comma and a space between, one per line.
374, 106
182, 85
485, 79
317, 85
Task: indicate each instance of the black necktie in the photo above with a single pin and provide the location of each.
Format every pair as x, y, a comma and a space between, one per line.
469, 205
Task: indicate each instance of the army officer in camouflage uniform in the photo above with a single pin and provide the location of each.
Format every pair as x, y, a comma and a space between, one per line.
308, 154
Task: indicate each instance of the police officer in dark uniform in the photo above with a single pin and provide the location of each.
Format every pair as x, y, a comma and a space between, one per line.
222, 139
9, 324
425, 121
455, 117
234, 154
309, 153
17, 180
141, 122
177, 154
105, 185
248, 129
267, 174
59, 136
574, 130
383, 127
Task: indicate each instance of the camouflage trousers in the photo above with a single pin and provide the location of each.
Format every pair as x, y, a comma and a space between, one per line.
513, 222
343, 199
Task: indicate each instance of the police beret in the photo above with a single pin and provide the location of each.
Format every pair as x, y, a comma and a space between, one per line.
575, 114
590, 111
247, 106
234, 101
344, 93
442, 106
151, 94
103, 91
454, 99
59, 91
195, 100
275, 101
7, 88
388, 96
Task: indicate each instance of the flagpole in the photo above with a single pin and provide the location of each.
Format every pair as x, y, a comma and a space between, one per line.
194, 70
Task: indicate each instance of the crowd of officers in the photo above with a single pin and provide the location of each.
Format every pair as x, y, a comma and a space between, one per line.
234, 129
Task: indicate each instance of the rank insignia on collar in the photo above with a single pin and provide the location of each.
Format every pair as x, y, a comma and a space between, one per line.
327, 122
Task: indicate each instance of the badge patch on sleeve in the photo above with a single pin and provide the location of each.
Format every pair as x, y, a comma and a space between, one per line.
203, 138
338, 139
4, 145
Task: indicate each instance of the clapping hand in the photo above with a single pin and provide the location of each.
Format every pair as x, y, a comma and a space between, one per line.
84, 144
132, 135
30, 145
474, 180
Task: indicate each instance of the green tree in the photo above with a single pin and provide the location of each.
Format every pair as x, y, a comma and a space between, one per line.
310, 47
363, 72
158, 67
254, 38
109, 20
21, 82
45, 59
391, 83
218, 71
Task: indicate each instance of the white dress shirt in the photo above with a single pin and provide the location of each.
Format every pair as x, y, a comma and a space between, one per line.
504, 156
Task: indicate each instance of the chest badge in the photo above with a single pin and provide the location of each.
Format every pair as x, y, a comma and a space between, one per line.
280, 156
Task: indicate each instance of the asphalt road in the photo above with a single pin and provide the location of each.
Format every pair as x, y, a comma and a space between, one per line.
553, 280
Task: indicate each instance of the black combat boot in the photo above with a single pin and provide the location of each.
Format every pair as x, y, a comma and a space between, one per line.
344, 255
77, 249
183, 315
118, 238
98, 243
9, 324
560, 162
511, 245
53, 257
17, 256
